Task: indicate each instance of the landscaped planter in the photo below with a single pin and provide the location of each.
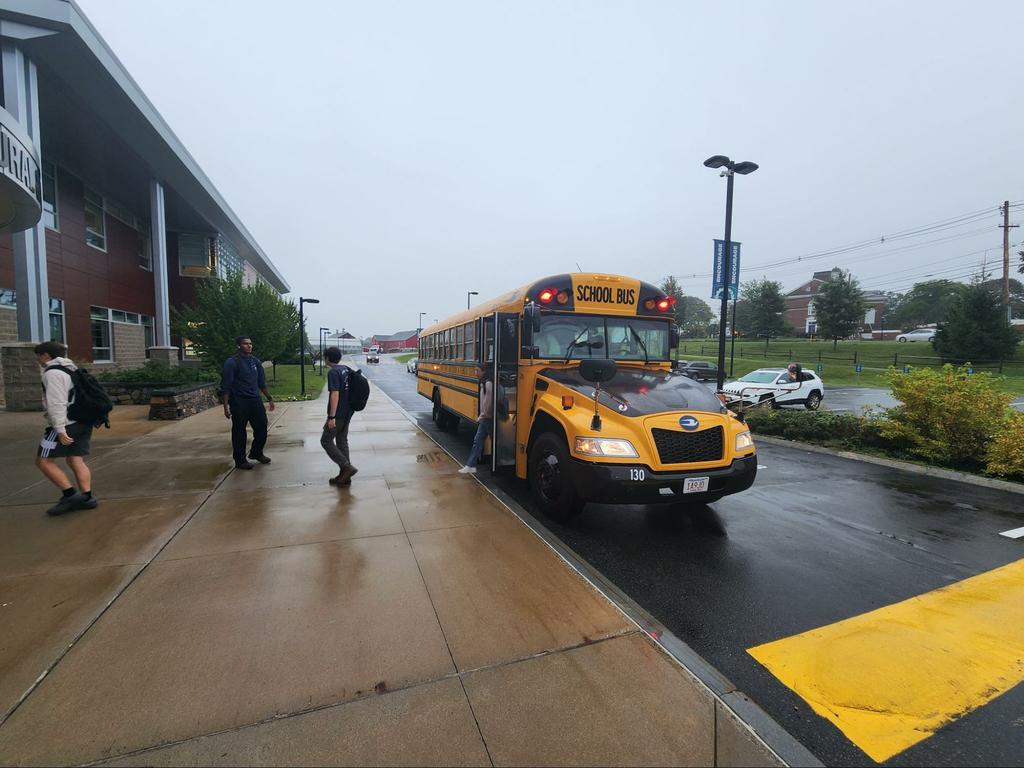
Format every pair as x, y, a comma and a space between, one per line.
180, 402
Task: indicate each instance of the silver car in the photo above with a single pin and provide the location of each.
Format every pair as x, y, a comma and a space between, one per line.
411, 365
920, 334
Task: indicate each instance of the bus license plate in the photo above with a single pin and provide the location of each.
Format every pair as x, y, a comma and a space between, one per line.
696, 484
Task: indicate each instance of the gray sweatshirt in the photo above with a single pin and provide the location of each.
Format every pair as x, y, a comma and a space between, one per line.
56, 393
487, 401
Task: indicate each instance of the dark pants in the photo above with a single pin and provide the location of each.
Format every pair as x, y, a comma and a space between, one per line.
335, 441
247, 411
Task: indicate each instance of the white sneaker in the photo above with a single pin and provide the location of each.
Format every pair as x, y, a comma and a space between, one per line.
467, 470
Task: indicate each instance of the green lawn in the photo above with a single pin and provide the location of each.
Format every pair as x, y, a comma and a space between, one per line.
286, 385
838, 365
405, 357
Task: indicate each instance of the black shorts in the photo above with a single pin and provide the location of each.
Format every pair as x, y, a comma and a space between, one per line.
50, 446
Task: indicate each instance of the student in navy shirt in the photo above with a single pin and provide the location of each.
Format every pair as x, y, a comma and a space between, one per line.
242, 381
334, 439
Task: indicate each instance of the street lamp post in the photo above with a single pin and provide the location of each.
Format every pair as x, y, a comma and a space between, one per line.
470, 293
731, 168
419, 325
322, 336
302, 343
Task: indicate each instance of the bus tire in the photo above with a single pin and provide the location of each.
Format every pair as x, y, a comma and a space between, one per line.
549, 473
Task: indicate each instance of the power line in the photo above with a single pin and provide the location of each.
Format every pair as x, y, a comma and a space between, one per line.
931, 228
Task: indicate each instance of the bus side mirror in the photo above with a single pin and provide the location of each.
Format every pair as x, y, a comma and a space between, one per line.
673, 337
596, 371
531, 317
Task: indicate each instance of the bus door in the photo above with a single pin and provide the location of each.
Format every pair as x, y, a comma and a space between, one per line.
505, 374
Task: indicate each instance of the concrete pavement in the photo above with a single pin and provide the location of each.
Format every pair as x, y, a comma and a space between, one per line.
203, 615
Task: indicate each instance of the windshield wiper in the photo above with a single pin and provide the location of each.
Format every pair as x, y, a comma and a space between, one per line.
568, 352
640, 342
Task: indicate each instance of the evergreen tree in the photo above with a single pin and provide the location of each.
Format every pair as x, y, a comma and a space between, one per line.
839, 307
226, 309
759, 312
976, 329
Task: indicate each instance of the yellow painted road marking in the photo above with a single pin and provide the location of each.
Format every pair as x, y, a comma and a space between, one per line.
891, 678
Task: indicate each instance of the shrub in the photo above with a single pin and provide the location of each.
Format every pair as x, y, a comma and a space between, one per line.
1005, 456
820, 427
945, 416
154, 372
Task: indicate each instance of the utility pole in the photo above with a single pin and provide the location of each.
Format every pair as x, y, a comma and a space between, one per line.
1007, 226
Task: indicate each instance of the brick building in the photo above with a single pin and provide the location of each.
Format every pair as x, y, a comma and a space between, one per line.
799, 312
128, 221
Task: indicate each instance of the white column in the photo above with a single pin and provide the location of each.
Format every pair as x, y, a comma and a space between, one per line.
21, 99
158, 228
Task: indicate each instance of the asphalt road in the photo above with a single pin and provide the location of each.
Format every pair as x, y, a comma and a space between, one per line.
817, 540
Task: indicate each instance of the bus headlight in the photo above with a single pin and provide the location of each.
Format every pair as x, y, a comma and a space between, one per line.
602, 446
744, 441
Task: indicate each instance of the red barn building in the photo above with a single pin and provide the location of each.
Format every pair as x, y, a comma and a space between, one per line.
397, 342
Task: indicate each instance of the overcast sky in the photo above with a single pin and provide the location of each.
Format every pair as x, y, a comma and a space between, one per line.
391, 156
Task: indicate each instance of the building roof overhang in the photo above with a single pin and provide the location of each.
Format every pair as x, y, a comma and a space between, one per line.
82, 59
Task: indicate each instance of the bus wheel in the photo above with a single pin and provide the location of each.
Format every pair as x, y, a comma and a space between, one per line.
549, 472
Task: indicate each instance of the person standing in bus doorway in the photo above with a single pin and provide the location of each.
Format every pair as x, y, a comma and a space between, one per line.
334, 440
241, 383
485, 422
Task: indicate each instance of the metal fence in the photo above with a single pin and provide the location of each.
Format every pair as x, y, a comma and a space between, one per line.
868, 360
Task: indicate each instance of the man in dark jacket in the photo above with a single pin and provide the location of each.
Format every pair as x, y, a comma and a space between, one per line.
242, 381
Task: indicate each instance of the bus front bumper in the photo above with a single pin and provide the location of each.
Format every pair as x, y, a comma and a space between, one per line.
639, 484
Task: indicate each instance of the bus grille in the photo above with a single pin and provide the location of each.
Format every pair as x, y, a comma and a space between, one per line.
688, 447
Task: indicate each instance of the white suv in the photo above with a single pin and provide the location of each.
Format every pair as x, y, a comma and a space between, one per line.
921, 334
772, 385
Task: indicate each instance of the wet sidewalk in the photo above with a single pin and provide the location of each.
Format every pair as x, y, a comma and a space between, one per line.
208, 616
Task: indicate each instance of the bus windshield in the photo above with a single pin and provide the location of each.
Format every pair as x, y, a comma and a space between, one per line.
620, 338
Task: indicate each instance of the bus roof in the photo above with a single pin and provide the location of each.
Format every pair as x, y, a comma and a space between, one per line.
590, 292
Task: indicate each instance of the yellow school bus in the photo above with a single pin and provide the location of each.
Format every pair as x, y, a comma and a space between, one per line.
587, 407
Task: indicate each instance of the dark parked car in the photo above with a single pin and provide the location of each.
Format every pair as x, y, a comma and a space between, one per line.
697, 370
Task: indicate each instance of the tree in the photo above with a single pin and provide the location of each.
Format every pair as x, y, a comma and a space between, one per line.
692, 315
926, 302
839, 307
763, 305
976, 329
226, 309
1016, 294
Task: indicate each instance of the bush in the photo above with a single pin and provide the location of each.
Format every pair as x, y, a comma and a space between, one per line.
154, 372
1005, 456
808, 426
945, 416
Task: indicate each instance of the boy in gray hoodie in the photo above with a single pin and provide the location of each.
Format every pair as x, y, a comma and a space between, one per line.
63, 439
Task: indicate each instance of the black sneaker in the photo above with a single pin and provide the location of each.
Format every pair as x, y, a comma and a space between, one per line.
261, 458
84, 502
62, 507
244, 465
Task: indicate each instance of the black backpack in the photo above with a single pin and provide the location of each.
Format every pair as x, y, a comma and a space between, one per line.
358, 390
92, 404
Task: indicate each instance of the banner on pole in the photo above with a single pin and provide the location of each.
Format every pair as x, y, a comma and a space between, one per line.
734, 270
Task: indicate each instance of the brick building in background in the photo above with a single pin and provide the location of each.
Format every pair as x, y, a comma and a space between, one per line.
799, 313
129, 220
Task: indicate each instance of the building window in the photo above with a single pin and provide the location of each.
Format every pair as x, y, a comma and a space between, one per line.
228, 261
49, 173
145, 252
57, 321
8, 297
95, 221
194, 252
147, 330
102, 349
